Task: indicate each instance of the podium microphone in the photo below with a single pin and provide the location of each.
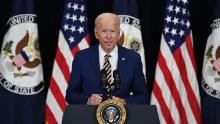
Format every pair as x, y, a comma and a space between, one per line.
117, 79
103, 75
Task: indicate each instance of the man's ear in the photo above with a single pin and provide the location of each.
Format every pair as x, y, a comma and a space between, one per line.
96, 33
121, 38
119, 33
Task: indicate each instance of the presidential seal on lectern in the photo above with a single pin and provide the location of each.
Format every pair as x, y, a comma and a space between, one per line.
111, 112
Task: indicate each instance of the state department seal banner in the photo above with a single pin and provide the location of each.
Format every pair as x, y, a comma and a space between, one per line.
21, 66
211, 72
131, 36
211, 64
111, 112
21, 74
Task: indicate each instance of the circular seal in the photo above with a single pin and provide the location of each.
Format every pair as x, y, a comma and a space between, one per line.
111, 112
21, 69
211, 71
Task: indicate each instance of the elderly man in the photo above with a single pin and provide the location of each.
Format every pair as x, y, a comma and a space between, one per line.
85, 86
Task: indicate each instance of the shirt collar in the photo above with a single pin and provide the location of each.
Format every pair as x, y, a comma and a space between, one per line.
113, 53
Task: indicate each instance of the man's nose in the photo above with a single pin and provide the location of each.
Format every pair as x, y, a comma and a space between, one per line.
108, 34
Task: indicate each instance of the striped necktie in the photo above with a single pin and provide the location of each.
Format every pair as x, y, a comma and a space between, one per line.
108, 68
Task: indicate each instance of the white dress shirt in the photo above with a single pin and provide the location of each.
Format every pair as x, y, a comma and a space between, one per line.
113, 59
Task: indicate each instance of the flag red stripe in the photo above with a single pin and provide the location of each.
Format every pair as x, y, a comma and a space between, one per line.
75, 50
164, 108
189, 48
62, 65
57, 94
49, 116
171, 84
87, 39
190, 94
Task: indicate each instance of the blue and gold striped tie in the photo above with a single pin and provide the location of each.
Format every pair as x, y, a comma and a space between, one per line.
108, 68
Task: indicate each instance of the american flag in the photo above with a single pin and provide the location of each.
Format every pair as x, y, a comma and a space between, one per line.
73, 37
175, 88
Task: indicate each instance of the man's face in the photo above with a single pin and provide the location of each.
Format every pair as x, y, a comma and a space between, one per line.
107, 32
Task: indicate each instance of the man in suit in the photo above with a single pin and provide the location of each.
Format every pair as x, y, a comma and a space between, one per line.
85, 85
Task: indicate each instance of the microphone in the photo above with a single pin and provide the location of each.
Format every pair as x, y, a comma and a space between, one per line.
103, 75
117, 79
106, 86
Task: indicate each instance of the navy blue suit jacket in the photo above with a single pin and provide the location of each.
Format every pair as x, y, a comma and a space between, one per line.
85, 77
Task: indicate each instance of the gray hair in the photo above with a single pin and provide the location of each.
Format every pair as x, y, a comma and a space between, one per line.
106, 15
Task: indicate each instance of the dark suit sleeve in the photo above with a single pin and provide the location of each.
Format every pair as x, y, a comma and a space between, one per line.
139, 87
73, 93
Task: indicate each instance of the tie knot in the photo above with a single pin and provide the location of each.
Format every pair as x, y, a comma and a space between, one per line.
107, 56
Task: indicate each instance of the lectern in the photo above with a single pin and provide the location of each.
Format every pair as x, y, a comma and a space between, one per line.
86, 114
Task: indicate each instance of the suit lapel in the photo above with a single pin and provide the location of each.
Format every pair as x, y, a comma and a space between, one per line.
96, 65
121, 60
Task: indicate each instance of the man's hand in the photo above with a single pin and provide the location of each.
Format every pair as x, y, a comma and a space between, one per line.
122, 101
94, 99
